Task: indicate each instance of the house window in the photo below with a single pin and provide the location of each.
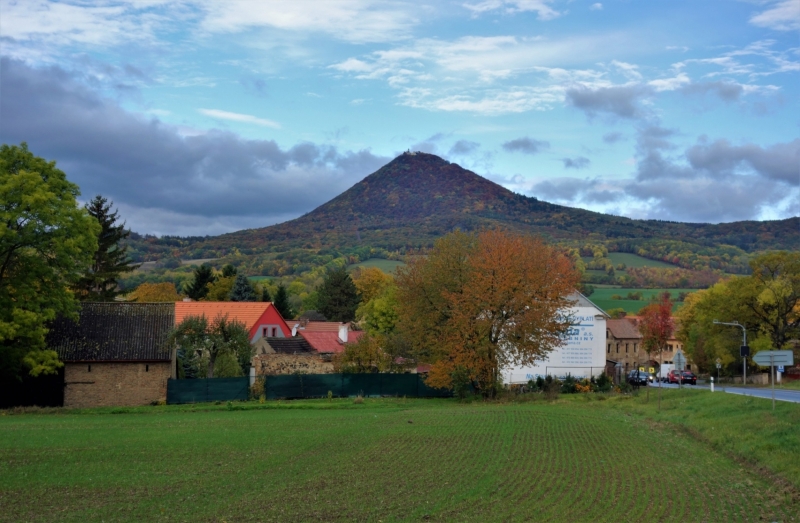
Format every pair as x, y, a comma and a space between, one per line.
669, 347
626, 348
90, 369
147, 368
617, 348
264, 332
634, 347
609, 349
274, 331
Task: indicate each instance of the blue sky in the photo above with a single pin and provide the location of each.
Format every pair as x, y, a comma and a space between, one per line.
208, 116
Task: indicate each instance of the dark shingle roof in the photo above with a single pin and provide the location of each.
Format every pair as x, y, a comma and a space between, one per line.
114, 332
623, 329
296, 345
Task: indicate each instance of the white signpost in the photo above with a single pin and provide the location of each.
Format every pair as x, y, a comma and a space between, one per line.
771, 358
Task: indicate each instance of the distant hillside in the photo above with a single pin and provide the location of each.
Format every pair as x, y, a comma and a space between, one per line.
418, 197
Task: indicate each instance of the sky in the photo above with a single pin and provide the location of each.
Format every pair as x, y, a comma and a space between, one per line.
202, 117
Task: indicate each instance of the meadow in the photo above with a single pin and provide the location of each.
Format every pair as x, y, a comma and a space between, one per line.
387, 266
602, 298
574, 459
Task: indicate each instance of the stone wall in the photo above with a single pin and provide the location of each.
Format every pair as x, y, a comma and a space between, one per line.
114, 384
272, 364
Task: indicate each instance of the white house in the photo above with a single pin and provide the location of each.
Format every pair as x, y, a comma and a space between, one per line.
583, 353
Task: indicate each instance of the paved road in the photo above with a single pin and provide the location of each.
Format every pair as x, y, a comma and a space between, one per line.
766, 393
780, 395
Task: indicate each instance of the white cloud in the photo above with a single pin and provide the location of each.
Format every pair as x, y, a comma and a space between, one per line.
350, 20
670, 84
596, 7
238, 117
540, 7
781, 16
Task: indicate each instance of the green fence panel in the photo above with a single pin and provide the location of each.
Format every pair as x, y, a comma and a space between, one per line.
349, 385
276, 387
318, 385
361, 385
429, 392
204, 390
399, 385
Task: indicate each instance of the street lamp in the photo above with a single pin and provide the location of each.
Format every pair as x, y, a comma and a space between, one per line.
744, 345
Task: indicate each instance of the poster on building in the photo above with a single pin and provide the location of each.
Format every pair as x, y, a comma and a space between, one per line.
581, 355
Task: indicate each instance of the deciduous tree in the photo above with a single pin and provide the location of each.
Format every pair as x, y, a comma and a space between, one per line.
212, 340
46, 243
483, 303
110, 261
656, 327
154, 293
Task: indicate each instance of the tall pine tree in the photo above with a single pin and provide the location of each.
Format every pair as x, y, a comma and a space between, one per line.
242, 290
99, 282
203, 275
337, 297
282, 303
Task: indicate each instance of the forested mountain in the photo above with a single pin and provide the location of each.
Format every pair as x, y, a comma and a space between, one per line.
418, 197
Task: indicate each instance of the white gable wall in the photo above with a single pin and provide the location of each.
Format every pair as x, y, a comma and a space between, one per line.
582, 355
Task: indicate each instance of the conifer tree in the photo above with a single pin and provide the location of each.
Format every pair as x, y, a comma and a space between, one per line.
203, 275
337, 296
242, 290
110, 261
228, 271
265, 296
282, 303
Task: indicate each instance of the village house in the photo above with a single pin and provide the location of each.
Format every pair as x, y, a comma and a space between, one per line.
624, 346
115, 354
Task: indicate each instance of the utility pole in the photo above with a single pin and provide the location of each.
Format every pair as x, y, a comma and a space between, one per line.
744, 351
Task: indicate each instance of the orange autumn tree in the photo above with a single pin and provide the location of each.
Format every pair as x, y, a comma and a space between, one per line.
480, 303
656, 327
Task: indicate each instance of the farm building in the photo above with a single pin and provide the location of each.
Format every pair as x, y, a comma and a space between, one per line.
583, 353
115, 354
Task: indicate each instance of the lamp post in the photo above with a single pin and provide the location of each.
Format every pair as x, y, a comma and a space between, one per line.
744, 344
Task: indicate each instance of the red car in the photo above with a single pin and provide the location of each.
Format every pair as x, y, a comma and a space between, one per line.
677, 376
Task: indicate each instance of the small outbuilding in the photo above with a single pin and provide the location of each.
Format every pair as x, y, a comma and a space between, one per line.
115, 354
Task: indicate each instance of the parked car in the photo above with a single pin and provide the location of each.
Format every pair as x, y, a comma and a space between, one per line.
689, 377
674, 376
637, 377
651, 378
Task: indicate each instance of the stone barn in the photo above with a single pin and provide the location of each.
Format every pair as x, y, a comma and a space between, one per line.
115, 354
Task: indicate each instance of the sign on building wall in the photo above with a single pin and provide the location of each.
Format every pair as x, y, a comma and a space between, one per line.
582, 354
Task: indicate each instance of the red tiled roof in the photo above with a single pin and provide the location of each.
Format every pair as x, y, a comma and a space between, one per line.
329, 341
245, 312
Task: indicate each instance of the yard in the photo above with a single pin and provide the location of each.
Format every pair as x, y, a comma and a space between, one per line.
406, 460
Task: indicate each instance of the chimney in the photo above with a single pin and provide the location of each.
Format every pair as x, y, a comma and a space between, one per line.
343, 333
187, 299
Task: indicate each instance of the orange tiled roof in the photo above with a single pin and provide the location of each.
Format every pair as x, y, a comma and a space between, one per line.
245, 312
324, 326
329, 341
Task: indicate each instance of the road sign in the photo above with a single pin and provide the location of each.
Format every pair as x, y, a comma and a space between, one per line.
719, 365
744, 351
679, 360
767, 358
781, 368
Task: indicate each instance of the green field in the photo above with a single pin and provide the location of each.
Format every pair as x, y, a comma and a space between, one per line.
408, 460
632, 260
261, 278
602, 298
388, 266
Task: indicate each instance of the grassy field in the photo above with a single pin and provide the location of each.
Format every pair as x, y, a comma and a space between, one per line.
407, 460
632, 260
388, 266
602, 298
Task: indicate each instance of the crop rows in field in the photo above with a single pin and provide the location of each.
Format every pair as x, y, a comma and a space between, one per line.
437, 461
